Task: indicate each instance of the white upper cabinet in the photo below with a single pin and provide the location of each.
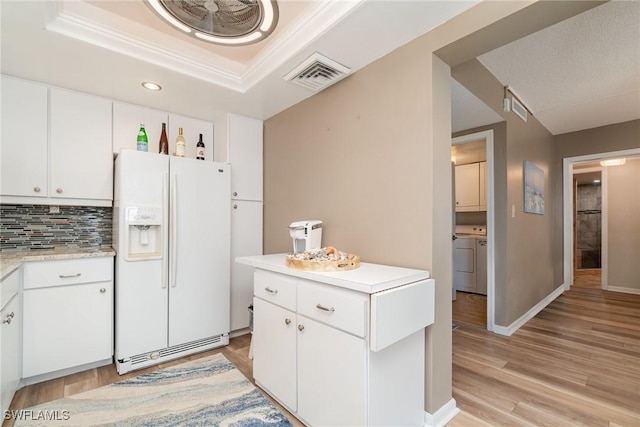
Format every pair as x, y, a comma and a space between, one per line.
467, 187
483, 186
81, 154
245, 156
56, 146
24, 139
191, 130
126, 124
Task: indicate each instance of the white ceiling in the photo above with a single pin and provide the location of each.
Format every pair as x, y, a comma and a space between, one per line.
580, 73
108, 47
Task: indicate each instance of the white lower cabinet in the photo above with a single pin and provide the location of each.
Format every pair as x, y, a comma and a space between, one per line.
10, 332
331, 375
314, 352
68, 315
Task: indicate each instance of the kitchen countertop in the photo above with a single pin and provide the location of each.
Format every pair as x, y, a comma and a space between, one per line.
11, 261
369, 278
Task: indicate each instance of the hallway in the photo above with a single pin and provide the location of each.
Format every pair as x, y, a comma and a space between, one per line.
576, 363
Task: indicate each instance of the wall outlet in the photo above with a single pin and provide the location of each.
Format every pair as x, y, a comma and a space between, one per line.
54, 209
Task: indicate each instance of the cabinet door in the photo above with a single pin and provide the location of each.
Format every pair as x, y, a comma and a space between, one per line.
191, 130
245, 156
483, 186
126, 123
78, 327
246, 240
274, 351
24, 139
81, 153
332, 385
11, 349
467, 187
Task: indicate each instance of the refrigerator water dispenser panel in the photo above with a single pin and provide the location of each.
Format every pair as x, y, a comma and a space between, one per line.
143, 235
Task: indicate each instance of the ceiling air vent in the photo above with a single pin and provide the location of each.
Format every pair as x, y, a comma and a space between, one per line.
317, 72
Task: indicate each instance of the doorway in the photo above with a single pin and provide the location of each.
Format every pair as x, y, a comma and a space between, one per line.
587, 225
475, 301
572, 168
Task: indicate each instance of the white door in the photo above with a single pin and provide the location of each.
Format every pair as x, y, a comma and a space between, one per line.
199, 248
246, 240
11, 349
274, 349
141, 286
24, 151
331, 384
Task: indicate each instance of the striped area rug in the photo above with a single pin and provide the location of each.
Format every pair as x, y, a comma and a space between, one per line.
204, 392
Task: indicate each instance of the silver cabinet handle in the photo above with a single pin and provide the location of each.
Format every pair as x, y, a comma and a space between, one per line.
271, 291
36, 189
7, 319
323, 308
103, 290
287, 321
58, 190
301, 327
235, 193
235, 206
67, 276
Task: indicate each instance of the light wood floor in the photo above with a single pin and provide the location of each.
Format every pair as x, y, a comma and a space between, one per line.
588, 278
577, 363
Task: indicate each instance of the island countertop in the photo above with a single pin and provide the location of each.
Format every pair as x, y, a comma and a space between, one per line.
11, 261
368, 278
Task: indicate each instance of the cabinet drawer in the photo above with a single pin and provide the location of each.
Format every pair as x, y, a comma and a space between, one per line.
275, 288
68, 272
340, 308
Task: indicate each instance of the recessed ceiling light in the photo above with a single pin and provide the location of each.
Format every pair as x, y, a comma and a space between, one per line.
151, 86
224, 22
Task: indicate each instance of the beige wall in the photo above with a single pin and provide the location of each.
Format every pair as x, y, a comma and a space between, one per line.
623, 225
370, 156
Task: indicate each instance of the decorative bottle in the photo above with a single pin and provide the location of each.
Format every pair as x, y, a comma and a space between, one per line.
200, 149
180, 144
164, 142
143, 142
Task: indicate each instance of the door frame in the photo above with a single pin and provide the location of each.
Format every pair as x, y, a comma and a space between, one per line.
567, 211
487, 135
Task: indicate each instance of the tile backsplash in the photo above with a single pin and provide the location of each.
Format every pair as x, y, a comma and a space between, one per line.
32, 227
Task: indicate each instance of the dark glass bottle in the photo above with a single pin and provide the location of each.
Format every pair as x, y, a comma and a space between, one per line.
200, 149
164, 142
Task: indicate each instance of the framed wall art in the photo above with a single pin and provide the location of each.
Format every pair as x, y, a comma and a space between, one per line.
533, 189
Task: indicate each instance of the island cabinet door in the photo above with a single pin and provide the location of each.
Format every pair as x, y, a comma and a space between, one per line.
274, 350
331, 375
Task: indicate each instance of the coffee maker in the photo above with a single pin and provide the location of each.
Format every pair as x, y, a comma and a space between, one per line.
306, 235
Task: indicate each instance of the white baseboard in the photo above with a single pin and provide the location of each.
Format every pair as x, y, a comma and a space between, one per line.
442, 416
512, 328
623, 290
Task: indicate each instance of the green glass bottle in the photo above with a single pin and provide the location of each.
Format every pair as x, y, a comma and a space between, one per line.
143, 142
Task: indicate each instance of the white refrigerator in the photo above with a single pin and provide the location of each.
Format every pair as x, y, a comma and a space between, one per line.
171, 231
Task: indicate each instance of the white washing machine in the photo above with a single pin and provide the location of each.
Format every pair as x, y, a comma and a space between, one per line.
470, 259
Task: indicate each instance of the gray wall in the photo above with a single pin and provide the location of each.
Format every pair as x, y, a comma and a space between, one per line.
616, 137
525, 271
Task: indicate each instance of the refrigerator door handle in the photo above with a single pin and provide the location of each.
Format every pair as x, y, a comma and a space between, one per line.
165, 217
173, 236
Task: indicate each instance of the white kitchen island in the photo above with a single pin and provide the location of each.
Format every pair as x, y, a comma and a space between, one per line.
342, 348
